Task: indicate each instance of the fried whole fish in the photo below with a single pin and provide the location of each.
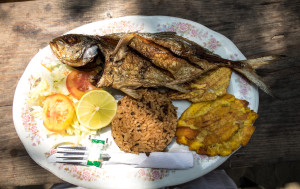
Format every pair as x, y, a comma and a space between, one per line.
134, 60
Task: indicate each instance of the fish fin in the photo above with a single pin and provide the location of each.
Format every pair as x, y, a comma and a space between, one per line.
165, 34
131, 92
177, 88
254, 78
158, 34
258, 62
121, 49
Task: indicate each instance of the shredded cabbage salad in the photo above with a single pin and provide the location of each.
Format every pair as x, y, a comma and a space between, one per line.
52, 80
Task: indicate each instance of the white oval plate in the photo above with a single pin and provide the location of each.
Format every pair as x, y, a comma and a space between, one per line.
38, 144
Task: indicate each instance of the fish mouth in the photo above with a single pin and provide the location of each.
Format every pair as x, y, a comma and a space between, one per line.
53, 46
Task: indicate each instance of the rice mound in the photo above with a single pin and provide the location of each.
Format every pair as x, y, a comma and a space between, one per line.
145, 125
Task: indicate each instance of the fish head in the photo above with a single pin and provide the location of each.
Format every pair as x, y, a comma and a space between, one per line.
77, 50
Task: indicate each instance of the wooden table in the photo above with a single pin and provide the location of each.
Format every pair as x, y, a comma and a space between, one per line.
258, 28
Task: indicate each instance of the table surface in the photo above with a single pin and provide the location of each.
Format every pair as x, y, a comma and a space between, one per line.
258, 28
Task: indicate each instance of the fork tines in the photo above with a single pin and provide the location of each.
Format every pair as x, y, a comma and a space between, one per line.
73, 147
77, 155
78, 150
73, 162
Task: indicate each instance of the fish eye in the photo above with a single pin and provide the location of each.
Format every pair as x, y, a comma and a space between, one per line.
71, 39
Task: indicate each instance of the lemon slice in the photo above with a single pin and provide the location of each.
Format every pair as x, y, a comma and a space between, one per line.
96, 109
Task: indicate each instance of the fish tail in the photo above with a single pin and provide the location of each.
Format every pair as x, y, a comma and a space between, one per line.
258, 62
248, 70
254, 78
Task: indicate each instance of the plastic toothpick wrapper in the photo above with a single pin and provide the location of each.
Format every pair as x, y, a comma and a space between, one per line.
95, 155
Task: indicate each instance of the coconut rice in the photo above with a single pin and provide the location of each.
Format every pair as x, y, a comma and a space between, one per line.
145, 125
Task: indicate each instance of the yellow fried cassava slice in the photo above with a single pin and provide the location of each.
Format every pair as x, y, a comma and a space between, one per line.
216, 127
207, 87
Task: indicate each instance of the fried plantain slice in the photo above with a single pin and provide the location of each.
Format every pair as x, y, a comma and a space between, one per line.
207, 87
216, 127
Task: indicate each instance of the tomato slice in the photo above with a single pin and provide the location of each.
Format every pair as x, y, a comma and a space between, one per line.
78, 83
58, 112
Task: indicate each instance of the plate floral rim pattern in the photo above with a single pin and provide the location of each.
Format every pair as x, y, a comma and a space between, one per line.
28, 127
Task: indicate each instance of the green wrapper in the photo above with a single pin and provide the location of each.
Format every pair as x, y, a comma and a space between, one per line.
94, 158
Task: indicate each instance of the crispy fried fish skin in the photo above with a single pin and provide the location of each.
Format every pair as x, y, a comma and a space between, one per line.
180, 68
132, 73
216, 127
207, 87
135, 72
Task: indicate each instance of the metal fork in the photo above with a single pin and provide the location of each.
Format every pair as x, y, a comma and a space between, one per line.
80, 155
